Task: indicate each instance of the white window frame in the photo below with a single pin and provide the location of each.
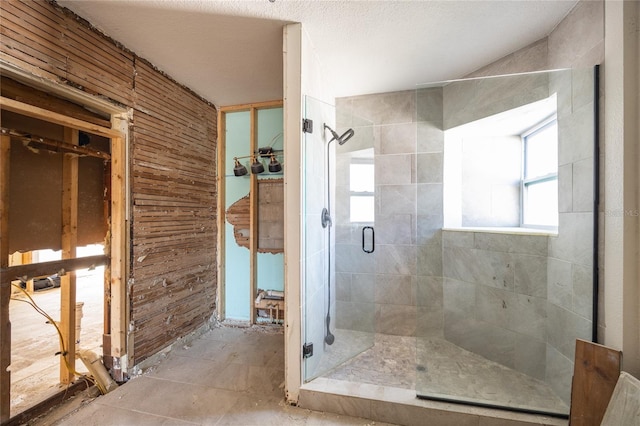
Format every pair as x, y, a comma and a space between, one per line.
353, 194
528, 181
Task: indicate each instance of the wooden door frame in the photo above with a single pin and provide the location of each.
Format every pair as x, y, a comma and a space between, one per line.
253, 109
115, 340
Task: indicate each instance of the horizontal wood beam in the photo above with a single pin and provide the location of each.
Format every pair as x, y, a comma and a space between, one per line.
57, 146
53, 117
50, 268
18, 91
54, 399
248, 107
23, 73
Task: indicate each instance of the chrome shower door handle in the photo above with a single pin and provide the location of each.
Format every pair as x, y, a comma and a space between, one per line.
373, 239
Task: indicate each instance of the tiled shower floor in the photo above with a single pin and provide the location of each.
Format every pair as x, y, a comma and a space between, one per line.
446, 371
390, 362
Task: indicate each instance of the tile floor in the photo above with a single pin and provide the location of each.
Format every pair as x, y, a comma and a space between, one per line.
380, 383
228, 376
445, 371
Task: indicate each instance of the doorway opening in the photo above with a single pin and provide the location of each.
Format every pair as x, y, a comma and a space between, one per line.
63, 252
251, 213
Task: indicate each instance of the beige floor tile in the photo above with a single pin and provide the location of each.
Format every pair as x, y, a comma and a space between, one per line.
203, 372
228, 376
182, 401
102, 415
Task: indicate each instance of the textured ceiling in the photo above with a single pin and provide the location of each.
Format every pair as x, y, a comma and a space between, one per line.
230, 52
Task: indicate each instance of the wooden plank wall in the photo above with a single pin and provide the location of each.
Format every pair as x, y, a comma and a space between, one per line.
46, 41
238, 214
172, 158
271, 216
173, 174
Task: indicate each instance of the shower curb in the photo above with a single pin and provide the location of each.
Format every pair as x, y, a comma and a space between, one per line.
402, 407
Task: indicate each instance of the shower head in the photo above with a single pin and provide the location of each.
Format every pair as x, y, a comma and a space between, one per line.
345, 136
340, 138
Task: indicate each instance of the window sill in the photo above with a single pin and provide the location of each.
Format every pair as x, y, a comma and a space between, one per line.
505, 230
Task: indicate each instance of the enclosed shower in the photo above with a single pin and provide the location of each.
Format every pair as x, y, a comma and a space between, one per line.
458, 258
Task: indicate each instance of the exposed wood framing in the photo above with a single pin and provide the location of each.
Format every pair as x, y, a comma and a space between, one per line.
238, 213
118, 249
106, 325
221, 258
40, 54
47, 41
48, 404
5, 282
173, 177
40, 142
69, 263
31, 270
89, 101
54, 117
271, 216
255, 105
17, 91
270, 221
170, 272
69, 243
253, 220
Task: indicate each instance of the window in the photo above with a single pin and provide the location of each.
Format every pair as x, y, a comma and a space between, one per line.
361, 189
540, 175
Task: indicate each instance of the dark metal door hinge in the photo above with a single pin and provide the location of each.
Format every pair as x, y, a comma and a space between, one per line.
307, 125
307, 350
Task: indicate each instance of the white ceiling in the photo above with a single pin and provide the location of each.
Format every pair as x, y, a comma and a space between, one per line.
230, 52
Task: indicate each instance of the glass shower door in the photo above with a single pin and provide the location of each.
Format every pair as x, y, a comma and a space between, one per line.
338, 242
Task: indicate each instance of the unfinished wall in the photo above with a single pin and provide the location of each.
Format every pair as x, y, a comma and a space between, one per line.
36, 185
172, 151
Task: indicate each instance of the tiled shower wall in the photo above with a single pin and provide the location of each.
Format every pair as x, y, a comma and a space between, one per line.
566, 312
402, 280
520, 300
570, 271
576, 43
410, 146
495, 297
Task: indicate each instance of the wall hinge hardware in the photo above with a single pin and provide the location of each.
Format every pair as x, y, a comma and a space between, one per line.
307, 125
307, 350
